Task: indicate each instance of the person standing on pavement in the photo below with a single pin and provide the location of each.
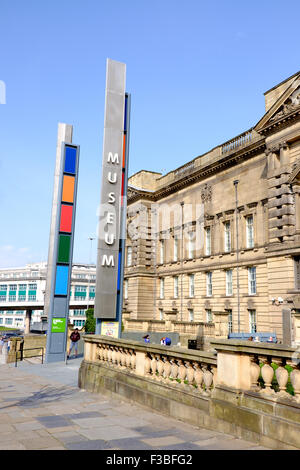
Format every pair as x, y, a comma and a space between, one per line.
74, 337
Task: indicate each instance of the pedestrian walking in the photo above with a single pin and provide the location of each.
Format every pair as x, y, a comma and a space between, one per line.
1, 344
74, 337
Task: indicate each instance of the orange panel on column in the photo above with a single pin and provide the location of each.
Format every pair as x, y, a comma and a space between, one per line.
68, 189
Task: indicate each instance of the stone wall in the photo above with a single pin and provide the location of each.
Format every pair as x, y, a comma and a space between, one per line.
220, 391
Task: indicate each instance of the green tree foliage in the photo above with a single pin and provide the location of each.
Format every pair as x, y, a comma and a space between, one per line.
90, 323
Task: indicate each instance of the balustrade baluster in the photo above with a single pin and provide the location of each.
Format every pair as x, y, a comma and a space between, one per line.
123, 358
174, 370
267, 373
214, 371
105, 352
133, 359
207, 378
255, 373
118, 357
167, 368
109, 354
181, 371
160, 367
282, 377
295, 379
128, 358
114, 355
147, 365
189, 373
153, 365
99, 353
198, 376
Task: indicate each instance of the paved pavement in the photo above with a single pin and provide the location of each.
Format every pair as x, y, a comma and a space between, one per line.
42, 408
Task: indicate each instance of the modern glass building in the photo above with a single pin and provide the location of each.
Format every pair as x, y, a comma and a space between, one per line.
23, 288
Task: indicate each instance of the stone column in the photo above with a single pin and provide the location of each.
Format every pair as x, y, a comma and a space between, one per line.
284, 153
27, 321
286, 327
221, 324
296, 329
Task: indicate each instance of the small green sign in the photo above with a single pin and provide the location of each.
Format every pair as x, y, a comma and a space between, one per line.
58, 325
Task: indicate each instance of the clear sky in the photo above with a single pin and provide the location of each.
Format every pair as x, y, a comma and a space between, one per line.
196, 71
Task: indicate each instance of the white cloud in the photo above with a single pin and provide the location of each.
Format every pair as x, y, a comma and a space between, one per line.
11, 257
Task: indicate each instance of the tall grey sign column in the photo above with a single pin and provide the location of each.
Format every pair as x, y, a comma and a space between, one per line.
112, 193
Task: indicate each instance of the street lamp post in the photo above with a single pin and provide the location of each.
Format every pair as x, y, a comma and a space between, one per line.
237, 252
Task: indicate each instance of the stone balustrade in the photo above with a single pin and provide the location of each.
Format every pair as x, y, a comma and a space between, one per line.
239, 141
178, 367
250, 390
269, 369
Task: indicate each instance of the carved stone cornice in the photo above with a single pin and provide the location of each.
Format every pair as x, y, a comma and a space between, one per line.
227, 161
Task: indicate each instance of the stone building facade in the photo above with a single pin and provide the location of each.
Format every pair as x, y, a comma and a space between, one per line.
219, 237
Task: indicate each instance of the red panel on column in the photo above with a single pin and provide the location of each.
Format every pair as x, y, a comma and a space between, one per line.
66, 218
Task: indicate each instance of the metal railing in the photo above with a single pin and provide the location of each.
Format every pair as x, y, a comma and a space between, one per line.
21, 351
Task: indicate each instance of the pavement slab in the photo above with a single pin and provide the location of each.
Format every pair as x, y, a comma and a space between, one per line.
42, 408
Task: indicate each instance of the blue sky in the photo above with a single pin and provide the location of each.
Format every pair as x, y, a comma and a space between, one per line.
196, 71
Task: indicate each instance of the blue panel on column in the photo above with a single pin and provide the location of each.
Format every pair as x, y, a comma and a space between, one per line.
61, 282
119, 270
70, 160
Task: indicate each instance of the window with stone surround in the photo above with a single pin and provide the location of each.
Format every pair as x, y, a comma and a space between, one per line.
209, 284
297, 272
191, 244
252, 321
161, 287
209, 316
249, 231
229, 282
162, 251
126, 289
191, 314
175, 287
175, 254
252, 280
227, 237
207, 241
191, 285
129, 255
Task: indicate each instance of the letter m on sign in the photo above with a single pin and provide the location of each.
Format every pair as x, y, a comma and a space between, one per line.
113, 158
108, 260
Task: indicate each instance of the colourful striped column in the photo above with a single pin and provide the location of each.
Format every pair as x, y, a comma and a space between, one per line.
61, 241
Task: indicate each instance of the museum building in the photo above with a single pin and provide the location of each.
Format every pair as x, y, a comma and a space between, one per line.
217, 241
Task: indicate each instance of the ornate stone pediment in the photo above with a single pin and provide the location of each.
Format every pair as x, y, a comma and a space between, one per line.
285, 106
290, 105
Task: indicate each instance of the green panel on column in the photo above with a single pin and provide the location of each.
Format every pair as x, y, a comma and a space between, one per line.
64, 249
